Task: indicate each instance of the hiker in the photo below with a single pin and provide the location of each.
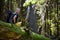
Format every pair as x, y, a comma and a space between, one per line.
14, 17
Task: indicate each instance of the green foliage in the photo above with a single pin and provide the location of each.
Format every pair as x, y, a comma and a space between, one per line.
40, 2
5, 0
39, 37
33, 1
52, 26
29, 2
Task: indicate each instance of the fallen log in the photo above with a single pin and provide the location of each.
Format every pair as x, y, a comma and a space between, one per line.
14, 28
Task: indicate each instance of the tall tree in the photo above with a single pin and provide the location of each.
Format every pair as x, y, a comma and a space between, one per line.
2, 3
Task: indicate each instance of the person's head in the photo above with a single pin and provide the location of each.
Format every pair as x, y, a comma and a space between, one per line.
18, 10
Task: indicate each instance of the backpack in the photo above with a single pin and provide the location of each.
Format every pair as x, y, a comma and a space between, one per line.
11, 18
9, 14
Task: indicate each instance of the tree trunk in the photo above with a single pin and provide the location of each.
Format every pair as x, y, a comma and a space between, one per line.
32, 19
2, 9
